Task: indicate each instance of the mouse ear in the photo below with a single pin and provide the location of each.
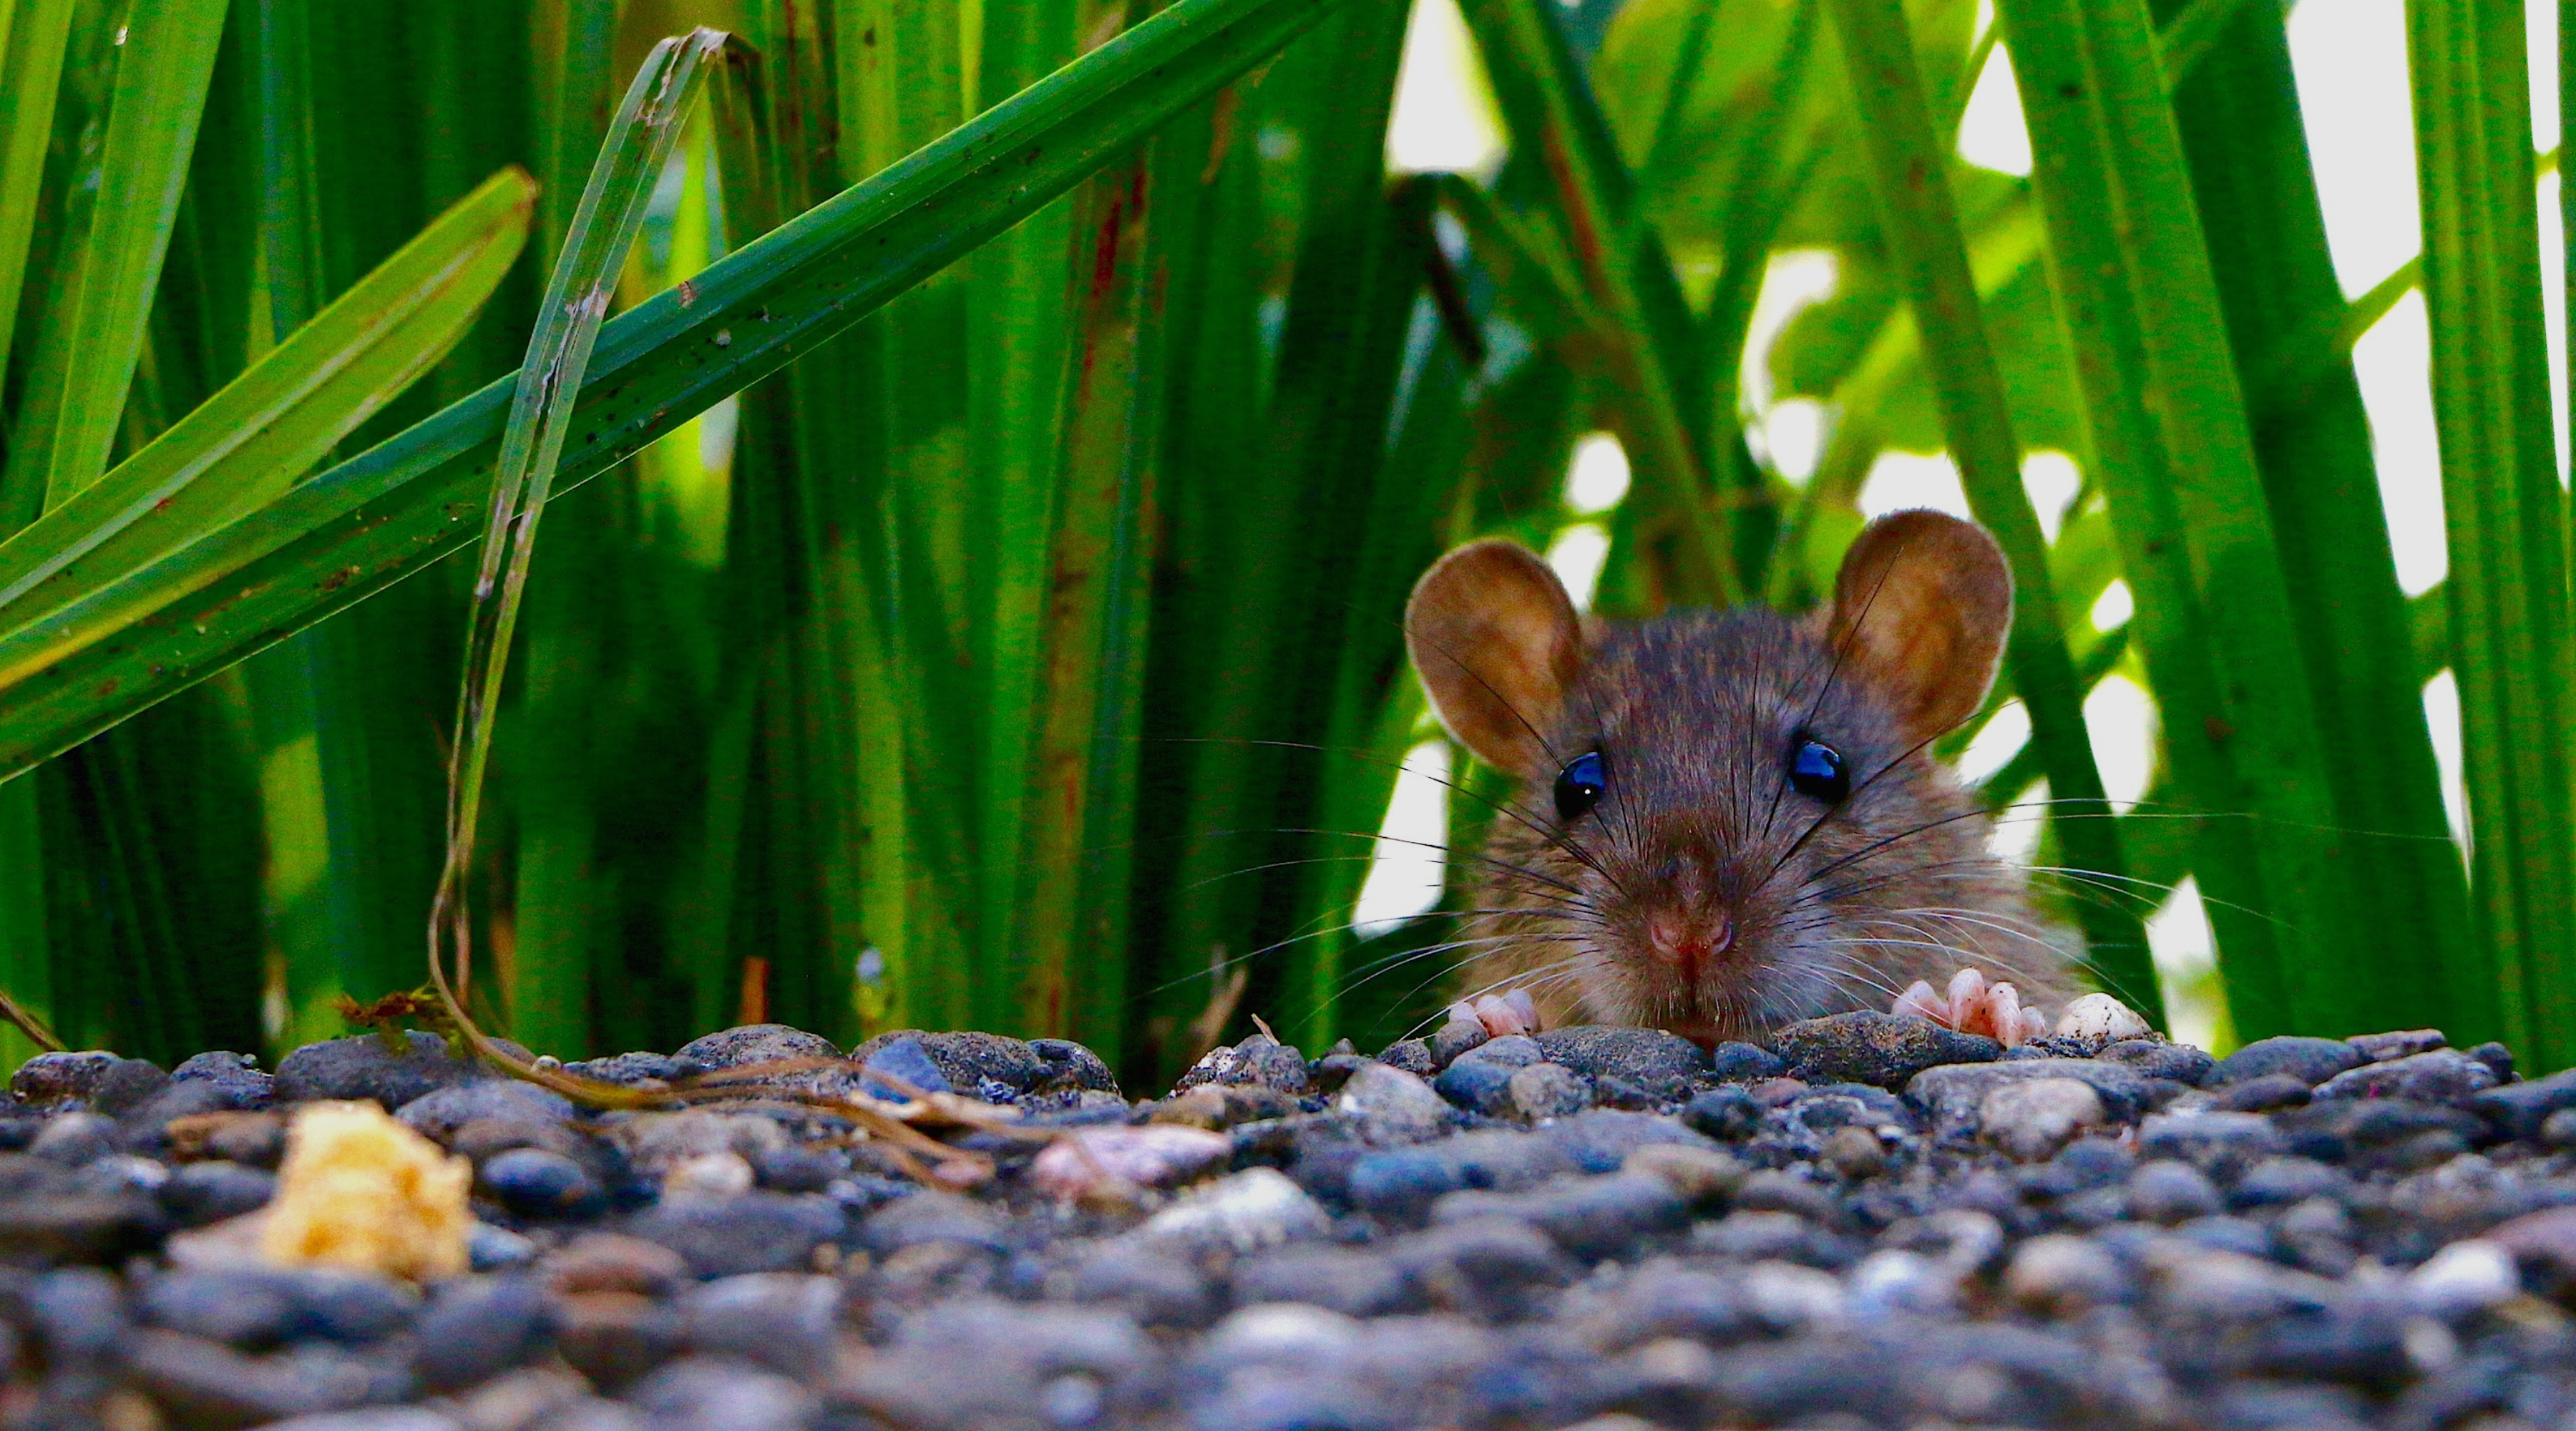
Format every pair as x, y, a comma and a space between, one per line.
1921, 610
1497, 646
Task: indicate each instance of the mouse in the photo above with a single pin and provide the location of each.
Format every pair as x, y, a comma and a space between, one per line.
1728, 820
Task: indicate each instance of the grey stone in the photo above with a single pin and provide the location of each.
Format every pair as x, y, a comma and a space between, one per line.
1349, 1281
659, 1142
2061, 1276
905, 1059
244, 1082
1951, 1096
1488, 1268
629, 1069
1392, 1107
976, 1363
1744, 1063
1413, 1055
72, 1139
742, 1051
750, 1232
377, 1418
1874, 1048
716, 1394
439, 1115
258, 1308
2170, 1192
78, 1314
202, 1382
2263, 1094
2155, 1058
2497, 1058
200, 1193
49, 1214
930, 1216
363, 1067
476, 1328
1456, 1037
1547, 1090
1477, 1085
2312, 1059
95, 1078
969, 1060
2219, 1144
1590, 1218
785, 1321
1661, 1063
1729, 1114
1070, 1065
2441, 1076
534, 1182
2517, 1110
1509, 1051
2281, 1181
1154, 1286
2381, 1047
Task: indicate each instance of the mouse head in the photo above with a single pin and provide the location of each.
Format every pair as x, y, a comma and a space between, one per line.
1727, 819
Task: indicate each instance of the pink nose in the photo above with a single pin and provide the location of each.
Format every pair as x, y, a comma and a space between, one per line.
1687, 941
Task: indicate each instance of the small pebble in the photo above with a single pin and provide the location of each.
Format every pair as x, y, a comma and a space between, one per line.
1100, 1161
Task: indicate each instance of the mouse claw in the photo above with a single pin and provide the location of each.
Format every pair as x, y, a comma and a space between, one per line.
1511, 1012
1972, 1005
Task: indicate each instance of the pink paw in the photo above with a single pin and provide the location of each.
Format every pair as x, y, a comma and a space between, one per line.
1974, 1006
1511, 1012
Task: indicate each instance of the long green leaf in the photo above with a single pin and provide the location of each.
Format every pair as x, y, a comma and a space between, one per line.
31, 70
2511, 643
1923, 229
2175, 456
167, 59
356, 529
265, 429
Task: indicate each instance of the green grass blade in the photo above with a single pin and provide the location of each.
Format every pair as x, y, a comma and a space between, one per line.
639, 143
2504, 510
1922, 222
167, 60
2251, 178
2175, 456
31, 69
359, 527
268, 427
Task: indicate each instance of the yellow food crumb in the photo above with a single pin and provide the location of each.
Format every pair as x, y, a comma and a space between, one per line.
361, 1191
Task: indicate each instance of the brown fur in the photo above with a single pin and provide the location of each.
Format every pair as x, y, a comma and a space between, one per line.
1695, 716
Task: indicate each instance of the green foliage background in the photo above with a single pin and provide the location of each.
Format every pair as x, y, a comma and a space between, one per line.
988, 615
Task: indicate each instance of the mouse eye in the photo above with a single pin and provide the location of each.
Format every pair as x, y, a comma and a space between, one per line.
1578, 785
1817, 770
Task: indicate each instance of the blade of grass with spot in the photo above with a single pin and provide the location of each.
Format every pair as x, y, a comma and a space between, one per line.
2176, 458
594, 248
2246, 144
2504, 511
1021, 322
909, 503
262, 431
1922, 225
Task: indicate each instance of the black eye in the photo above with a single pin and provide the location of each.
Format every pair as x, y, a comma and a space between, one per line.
1578, 786
1815, 769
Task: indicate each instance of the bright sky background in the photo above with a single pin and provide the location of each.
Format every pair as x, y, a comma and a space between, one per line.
2350, 58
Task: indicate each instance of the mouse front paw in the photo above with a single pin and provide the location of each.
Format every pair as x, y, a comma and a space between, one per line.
1510, 1012
1972, 1005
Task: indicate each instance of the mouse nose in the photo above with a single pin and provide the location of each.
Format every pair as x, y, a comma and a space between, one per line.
1689, 939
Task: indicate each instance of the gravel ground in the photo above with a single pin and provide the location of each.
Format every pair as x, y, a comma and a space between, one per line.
1871, 1223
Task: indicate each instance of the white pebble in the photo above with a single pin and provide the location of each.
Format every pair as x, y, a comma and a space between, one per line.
2466, 1277
2100, 1016
708, 1175
1256, 1208
1893, 1280
1281, 1331
1100, 1161
1790, 1297
2035, 1117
